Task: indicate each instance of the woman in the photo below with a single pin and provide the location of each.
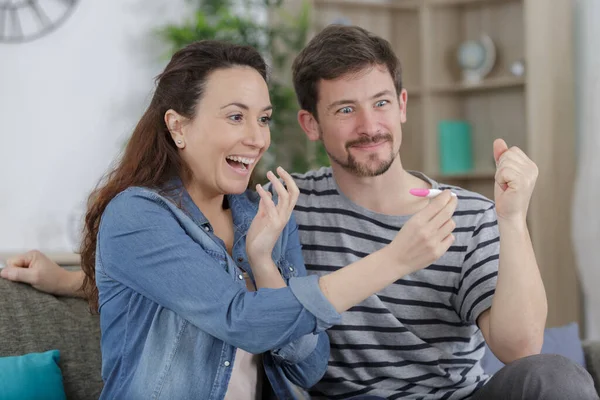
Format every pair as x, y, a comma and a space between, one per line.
172, 230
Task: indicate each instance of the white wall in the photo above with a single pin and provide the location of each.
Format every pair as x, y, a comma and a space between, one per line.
67, 103
586, 213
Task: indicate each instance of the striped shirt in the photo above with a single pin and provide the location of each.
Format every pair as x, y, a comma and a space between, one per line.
417, 338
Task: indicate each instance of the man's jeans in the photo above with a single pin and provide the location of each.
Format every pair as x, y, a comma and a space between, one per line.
539, 377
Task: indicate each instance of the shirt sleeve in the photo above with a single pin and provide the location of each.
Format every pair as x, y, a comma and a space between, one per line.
479, 269
142, 245
304, 360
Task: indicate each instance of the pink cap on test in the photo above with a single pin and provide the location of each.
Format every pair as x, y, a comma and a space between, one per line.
419, 192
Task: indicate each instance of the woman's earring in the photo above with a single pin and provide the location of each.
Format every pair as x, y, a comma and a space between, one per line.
180, 143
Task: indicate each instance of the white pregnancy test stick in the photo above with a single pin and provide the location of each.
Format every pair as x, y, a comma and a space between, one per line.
429, 193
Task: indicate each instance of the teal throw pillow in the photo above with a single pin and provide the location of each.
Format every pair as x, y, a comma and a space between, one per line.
31, 377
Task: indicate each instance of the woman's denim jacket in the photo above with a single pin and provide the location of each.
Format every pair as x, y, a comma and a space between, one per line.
174, 305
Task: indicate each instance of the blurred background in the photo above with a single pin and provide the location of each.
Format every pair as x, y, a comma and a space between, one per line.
75, 76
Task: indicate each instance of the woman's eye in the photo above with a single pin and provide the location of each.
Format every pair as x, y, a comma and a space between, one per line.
265, 120
236, 117
381, 103
345, 110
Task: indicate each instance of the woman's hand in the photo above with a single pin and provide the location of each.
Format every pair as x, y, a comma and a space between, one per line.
37, 270
426, 236
270, 218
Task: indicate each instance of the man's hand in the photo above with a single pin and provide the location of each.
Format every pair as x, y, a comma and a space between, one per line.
514, 326
515, 179
36, 269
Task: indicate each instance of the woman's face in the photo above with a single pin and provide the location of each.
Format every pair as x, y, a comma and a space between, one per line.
230, 132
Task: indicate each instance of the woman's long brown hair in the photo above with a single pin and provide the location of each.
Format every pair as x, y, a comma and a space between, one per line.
151, 158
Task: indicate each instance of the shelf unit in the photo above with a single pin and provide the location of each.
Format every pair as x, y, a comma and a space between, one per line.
425, 35
533, 112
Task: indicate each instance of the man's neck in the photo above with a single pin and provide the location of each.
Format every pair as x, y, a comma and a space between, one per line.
387, 193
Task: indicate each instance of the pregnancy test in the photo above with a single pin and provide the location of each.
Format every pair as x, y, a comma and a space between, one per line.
429, 193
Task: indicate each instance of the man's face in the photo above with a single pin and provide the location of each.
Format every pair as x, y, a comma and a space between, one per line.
360, 117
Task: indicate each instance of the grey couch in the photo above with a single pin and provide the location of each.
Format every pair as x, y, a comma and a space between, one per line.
31, 321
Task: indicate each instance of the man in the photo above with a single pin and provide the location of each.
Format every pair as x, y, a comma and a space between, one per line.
423, 336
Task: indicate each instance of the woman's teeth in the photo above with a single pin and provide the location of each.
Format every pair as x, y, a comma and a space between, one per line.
244, 160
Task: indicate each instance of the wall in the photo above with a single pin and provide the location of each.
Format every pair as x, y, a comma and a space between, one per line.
551, 143
586, 214
68, 101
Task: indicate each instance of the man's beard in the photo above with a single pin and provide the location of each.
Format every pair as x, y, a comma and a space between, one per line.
365, 169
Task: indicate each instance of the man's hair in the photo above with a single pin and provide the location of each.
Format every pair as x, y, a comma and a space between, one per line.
336, 51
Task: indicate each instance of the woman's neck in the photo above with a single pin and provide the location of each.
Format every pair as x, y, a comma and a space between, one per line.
211, 204
219, 217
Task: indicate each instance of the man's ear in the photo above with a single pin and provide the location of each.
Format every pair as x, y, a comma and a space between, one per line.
175, 123
309, 125
402, 102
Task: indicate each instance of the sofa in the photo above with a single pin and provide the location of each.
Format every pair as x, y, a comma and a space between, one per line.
34, 322
31, 321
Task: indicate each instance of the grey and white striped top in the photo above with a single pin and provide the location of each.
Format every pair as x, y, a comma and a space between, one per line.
418, 338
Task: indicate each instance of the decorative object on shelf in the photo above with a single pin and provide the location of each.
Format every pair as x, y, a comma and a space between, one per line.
24, 21
455, 147
476, 58
517, 68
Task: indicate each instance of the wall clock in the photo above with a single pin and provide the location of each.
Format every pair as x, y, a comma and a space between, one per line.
26, 20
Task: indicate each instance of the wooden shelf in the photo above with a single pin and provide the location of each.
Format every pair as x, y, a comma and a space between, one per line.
451, 3
411, 5
486, 85
407, 4
425, 34
414, 91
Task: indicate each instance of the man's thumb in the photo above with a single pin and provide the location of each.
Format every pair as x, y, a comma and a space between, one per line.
499, 148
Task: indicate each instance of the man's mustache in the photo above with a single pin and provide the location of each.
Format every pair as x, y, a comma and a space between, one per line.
381, 137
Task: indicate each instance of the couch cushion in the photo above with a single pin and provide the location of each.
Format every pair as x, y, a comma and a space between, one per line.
31, 376
31, 321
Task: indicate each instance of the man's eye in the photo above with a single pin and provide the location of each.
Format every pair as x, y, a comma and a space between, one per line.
381, 103
345, 110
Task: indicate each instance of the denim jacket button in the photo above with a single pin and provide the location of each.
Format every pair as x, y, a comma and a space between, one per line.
227, 363
241, 276
291, 268
240, 259
206, 228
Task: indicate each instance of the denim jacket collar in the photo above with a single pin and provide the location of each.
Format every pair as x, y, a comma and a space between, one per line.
243, 208
171, 321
